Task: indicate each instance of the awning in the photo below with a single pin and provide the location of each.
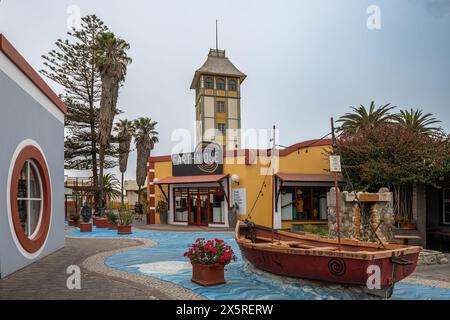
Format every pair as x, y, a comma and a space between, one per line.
308, 178
192, 179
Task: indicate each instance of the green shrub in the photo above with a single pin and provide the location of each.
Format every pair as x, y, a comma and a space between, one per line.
125, 218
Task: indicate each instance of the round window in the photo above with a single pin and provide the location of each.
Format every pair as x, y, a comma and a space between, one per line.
30, 199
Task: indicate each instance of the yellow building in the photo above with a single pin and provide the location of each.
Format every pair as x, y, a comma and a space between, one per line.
202, 187
196, 196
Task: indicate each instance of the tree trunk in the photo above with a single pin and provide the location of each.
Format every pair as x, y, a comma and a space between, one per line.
102, 159
121, 196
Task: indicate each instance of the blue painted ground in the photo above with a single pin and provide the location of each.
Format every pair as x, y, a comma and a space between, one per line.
165, 261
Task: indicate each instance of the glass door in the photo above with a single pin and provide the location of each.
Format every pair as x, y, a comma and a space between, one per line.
203, 209
193, 206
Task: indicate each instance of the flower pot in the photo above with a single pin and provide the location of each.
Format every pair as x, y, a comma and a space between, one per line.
112, 226
101, 223
73, 223
85, 227
207, 275
123, 229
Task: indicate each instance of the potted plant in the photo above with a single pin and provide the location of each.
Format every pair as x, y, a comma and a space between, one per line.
208, 259
112, 220
162, 208
74, 220
125, 221
410, 225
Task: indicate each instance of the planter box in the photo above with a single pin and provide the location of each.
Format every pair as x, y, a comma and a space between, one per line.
123, 229
72, 223
207, 275
101, 223
85, 227
94, 220
112, 226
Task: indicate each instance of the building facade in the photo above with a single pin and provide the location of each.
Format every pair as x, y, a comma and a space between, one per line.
217, 86
31, 162
266, 194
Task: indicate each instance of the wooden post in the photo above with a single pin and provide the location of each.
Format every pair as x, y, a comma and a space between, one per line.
336, 186
338, 218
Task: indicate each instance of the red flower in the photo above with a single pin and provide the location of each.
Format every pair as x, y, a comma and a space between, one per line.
217, 264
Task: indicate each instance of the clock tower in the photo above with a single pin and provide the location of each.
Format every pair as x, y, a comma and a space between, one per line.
217, 86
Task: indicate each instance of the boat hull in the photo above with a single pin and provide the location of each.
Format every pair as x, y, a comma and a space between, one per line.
329, 269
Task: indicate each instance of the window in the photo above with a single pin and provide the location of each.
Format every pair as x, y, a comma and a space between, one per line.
446, 213
208, 83
181, 205
216, 200
29, 198
29, 195
220, 106
221, 128
220, 84
232, 85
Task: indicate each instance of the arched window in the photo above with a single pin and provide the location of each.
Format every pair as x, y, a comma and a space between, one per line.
220, 84
232, 85
208, 83
30, 200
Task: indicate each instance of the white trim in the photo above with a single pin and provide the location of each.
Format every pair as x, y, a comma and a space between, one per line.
151, 170
16, 75
20, 147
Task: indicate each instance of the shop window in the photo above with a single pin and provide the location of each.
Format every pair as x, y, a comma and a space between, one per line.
220, 84
215, 205
232, 85
30, 199
220, 106
208, 83
181, 205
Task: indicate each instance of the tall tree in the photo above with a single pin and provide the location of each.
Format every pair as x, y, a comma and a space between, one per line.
362, 117
111, 60
145, 138
125, 131
71, 65
417, 121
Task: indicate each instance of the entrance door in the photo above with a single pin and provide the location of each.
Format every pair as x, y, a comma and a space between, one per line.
198, 208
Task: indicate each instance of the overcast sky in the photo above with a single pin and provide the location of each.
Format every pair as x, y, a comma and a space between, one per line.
305, 60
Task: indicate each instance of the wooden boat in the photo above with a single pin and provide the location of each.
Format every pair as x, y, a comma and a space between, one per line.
313, 257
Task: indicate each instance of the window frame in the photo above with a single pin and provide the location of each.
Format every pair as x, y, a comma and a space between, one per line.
29, 246
222, 81
234, 84
206, 82
218, 109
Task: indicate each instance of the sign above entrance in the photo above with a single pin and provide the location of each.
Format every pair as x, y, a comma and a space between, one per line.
206, 159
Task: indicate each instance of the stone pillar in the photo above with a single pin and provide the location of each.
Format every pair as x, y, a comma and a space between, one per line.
421, 213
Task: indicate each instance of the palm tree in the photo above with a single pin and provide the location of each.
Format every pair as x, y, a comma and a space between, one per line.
125, 131
111, 187
363, 118
417, 121
145, 138
111, 60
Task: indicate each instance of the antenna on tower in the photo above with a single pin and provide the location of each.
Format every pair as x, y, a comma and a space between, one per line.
217, 36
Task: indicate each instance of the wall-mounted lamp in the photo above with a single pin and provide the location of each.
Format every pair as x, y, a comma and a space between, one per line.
235, 178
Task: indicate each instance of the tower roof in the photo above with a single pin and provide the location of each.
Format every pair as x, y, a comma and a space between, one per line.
217, 64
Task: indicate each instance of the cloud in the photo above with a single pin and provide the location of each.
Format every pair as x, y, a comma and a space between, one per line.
437, 8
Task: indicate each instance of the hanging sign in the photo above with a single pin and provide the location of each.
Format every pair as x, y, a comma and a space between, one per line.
335, 163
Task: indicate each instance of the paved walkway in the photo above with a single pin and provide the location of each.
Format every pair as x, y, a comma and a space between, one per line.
46, 278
